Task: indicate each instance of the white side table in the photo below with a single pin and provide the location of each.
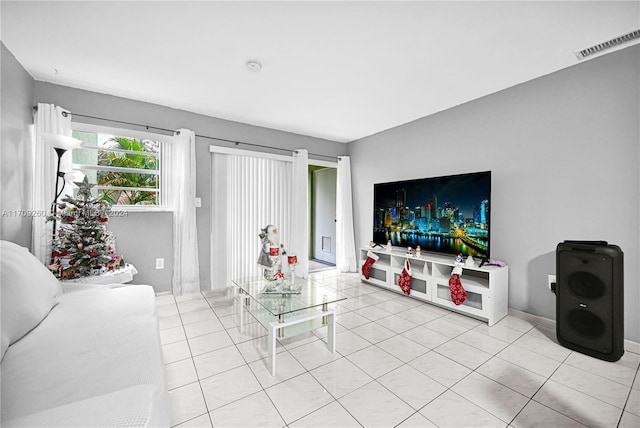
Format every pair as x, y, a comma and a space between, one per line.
116, 276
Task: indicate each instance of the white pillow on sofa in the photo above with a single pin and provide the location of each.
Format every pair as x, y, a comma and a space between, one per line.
29, 291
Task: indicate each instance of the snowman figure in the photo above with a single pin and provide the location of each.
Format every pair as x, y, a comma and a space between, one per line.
459, 260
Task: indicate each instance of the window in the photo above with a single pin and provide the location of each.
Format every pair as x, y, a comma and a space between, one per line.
124, 165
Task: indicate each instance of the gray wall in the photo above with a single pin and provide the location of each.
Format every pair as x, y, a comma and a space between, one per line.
563, 151
107, 106
15, 150
142, 238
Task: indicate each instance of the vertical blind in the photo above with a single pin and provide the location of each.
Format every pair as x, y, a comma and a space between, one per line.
248, 193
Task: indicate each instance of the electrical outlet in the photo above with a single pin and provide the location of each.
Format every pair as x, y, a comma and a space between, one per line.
551, 280
198, 202
159, 263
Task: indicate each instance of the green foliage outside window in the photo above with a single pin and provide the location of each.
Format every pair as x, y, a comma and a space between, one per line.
140, 161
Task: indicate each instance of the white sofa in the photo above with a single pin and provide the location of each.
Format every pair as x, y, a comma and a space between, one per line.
87, 356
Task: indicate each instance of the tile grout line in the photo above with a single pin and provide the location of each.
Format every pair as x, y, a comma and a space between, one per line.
540, 388
370, 304
195, 368
264, 390
637, 374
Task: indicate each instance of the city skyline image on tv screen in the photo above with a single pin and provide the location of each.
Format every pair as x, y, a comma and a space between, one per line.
442, 214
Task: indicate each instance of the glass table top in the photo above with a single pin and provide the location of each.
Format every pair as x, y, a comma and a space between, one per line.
307, 294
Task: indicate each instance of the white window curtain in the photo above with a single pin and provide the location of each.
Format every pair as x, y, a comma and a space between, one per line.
180, 172
300, 211
48, 119
248, 193
345, 241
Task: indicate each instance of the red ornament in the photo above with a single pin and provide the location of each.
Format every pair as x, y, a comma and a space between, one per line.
72, 262
70, 219
103, 220
56, 254
92, 253
64, 253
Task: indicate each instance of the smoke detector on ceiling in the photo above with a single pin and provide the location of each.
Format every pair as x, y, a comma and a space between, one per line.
617, 43
254, 66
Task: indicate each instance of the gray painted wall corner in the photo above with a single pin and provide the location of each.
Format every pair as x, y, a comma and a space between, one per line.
565, 160
117, 108
15, 150
141, 238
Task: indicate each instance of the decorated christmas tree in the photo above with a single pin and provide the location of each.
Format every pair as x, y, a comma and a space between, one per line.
83, 245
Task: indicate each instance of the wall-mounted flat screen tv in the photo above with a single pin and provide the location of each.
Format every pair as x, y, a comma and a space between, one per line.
440, 214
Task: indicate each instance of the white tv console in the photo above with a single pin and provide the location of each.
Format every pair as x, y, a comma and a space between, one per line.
486, 286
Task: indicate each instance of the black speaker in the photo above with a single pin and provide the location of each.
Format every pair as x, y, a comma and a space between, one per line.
590, 298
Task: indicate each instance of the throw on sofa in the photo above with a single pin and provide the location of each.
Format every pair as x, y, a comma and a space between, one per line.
86, 356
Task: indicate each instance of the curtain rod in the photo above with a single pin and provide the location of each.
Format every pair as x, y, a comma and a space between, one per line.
65, 114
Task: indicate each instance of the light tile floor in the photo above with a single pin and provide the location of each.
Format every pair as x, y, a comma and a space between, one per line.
399, 363
317, 265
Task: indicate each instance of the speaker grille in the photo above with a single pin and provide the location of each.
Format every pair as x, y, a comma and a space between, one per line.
585, 284
586, 323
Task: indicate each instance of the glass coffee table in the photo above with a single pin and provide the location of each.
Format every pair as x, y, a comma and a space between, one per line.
287, 309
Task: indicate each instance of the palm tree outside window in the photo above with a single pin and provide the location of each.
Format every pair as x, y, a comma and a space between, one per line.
125, 169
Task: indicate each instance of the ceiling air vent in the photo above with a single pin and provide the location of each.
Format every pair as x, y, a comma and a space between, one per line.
609, 44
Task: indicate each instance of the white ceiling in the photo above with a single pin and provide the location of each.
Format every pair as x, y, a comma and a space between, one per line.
334, 70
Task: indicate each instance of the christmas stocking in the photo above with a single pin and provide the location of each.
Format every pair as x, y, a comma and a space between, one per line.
405, 278
366, 267
458, 294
